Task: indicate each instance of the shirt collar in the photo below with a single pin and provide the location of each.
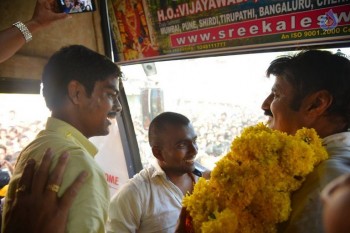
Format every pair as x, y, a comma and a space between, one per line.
71, 133
157, 170
337, 140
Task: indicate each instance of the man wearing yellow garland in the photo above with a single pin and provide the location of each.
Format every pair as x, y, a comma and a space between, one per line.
312, 89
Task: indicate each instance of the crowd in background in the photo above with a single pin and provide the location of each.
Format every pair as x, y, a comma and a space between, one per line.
215, 130
15, 134
76, 6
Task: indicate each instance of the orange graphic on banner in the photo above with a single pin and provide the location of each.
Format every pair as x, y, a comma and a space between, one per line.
134, 30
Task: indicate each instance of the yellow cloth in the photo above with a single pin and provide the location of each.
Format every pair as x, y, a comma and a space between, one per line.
88, 213
306, 216
3, 191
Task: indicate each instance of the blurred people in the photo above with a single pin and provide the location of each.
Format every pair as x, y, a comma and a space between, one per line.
7, 165
312, 89
6, 171
81, 99
77, 7
68, 5
88, 8
4, 180
3, 136
151, 201
3, 152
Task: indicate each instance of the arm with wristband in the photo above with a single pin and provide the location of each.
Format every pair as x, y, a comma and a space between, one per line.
14, 37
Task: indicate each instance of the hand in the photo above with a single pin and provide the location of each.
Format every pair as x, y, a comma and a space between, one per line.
206, 174
45, 12
36, 209
336, 199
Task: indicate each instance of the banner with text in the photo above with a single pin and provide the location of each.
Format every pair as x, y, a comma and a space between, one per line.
159, 29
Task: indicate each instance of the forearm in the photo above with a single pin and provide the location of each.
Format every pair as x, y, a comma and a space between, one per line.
12, 39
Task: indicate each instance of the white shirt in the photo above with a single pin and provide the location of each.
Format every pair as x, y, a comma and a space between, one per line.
306, 216
148, 202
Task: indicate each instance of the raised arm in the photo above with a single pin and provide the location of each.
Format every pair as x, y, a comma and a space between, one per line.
14, 37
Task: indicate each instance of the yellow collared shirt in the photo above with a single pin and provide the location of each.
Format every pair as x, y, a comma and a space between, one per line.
88, 213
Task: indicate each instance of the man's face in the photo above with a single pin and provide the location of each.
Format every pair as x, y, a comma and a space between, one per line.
101, 105
67, 2
179, 148
277, 107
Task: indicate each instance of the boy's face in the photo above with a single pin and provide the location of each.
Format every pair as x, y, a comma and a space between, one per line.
97, 110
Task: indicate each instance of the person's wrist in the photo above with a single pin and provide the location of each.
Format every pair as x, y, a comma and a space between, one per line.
24, 30
33, 25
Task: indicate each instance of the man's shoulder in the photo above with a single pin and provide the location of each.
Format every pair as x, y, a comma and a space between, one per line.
58, 145
139, 184
57, 139
79, 157
140, 179
52, 138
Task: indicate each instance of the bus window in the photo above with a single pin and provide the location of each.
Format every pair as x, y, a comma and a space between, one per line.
220, 95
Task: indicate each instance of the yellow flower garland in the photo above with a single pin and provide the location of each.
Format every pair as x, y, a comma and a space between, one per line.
250, 188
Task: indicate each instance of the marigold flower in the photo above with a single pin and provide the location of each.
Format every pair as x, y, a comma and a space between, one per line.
250, 188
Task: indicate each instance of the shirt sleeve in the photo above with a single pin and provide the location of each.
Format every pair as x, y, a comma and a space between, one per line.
125, 210
88, 213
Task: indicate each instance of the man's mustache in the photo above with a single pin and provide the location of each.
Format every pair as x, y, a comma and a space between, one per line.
268, 113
